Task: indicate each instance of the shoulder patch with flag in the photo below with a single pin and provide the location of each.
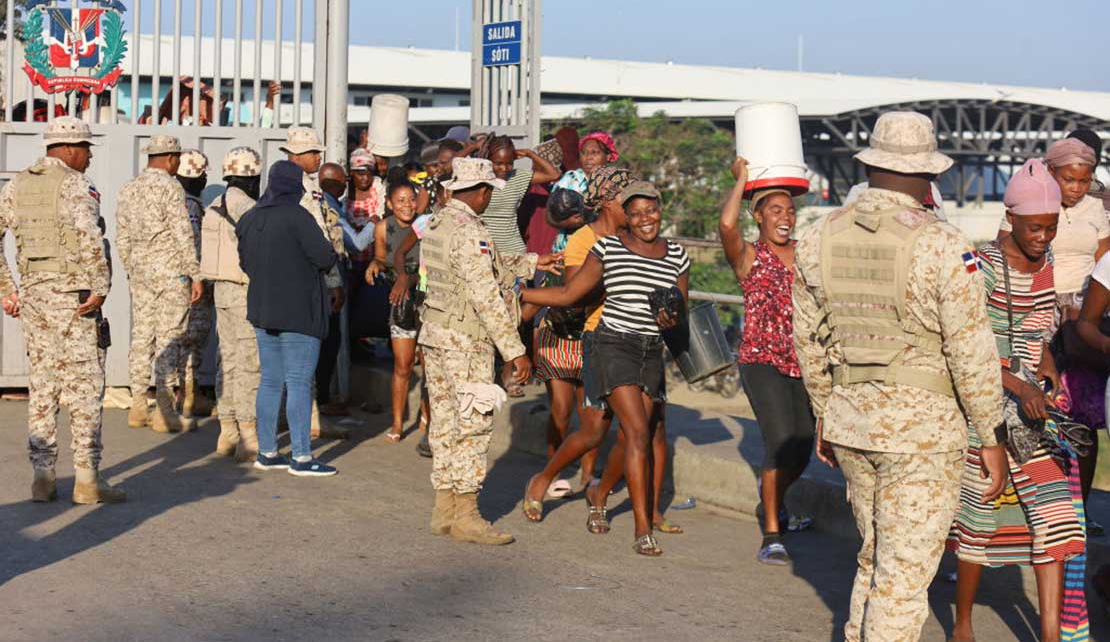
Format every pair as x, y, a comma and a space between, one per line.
972, 261
94, 193
483, 247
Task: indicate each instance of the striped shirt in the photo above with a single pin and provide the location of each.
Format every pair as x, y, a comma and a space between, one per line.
629, 278
500, 215
1034, 306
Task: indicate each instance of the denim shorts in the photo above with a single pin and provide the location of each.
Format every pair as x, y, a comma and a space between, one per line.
591, 392
627, 358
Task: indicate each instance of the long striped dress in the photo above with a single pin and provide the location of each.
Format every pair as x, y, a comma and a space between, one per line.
1035, 520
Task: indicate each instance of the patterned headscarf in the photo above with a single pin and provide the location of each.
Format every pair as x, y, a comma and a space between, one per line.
605, 184
606, 141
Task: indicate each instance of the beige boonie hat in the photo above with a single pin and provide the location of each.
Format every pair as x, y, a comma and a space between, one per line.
242, 161
301, 140
193, 164
162, 144
904, 142
468, 172
67, 130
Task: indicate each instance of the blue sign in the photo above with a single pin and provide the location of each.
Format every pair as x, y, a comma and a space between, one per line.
506, 54
501, 32
501, 43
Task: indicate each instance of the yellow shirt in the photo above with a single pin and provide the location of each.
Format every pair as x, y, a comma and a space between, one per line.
578, 247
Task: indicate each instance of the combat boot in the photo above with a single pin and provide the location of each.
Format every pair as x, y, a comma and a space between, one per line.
165, 418
138, 416
195, 404
229, 438
443, 513
45, 486
95, 490
247, 448
469, 526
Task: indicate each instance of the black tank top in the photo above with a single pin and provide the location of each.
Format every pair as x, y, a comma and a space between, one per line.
394, 234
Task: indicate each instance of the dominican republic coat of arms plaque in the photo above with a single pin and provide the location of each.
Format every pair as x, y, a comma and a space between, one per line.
62, 41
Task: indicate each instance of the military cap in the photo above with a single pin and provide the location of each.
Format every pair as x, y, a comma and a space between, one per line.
162, 144
301, 140
242, 161
193, 164
470, 172
67, 130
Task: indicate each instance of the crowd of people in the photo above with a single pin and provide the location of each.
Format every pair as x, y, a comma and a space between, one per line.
955, 387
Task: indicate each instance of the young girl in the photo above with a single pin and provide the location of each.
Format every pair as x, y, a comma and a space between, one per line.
628, 342
768, 365
388, 233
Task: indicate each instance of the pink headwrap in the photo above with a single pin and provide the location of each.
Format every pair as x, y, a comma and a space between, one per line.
606, 141
1032, 190
361, 158
1069, 151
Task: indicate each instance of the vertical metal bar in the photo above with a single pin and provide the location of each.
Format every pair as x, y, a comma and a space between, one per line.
298, 7
9, 62
136, 61
277, 62
335, 133
217, 62
114, 105
175, 116
477, 73
534, 70
256, 115
75, 96
320, 69
198, 35
236, 95
156, 72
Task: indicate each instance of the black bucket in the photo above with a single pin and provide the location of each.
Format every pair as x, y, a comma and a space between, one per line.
699, 347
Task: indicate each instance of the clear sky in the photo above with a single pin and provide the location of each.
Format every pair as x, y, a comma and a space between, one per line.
1019, 42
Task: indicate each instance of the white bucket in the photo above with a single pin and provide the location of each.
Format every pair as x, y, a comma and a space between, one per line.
769, 136
389, 125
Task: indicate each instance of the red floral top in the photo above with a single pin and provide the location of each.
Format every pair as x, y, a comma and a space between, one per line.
769, 313
366, 211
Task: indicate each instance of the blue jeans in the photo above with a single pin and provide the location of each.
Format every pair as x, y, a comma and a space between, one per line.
288, 360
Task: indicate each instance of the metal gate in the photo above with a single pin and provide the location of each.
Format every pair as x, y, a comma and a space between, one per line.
236, 68
505, 69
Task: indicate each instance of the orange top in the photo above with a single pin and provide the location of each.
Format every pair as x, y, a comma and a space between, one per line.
578, 247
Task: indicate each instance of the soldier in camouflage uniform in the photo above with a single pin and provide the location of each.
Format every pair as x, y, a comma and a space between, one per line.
53, 212
156, 245
302, 147
890, 327
238, 371
468, 312
193, 176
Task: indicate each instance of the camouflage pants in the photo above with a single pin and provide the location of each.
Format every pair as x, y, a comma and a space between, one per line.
904, 505
238, 371
197, 330
65, 367
459, 444
158, 324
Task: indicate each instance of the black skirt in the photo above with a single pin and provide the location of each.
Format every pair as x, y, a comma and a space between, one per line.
629, 359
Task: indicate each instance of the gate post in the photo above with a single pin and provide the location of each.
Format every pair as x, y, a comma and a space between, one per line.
505, 69
335, 123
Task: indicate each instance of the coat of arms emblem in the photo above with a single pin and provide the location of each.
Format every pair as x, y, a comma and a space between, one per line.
63, 42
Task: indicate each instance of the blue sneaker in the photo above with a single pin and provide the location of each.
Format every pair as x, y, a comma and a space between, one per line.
277, 462
311, 468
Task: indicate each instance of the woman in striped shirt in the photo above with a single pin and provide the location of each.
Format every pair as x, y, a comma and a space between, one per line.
629, 266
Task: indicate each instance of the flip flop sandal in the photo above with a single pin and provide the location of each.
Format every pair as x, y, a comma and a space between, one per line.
559, 489
646, 545
533, 509
667, 526
393, 437
596, 521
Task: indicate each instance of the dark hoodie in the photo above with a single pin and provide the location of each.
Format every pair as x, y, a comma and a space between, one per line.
285, 255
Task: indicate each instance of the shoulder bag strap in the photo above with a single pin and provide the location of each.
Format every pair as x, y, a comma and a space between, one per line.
1015, 360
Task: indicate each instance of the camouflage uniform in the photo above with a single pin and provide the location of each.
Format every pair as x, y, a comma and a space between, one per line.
156, 245
453, 358
193, 165
901, 447
65, 365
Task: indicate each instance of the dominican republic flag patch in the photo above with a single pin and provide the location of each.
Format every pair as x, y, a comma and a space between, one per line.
93, 193
972, 262
483, 247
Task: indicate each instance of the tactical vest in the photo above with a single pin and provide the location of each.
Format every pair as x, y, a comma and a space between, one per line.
44, 243
445, 303
219, 246
865, 262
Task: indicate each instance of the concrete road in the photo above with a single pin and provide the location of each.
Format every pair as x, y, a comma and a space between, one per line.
207, 550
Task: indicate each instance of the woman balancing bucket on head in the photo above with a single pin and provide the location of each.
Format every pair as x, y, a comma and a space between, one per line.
628, 343
1037, 519
768, 364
